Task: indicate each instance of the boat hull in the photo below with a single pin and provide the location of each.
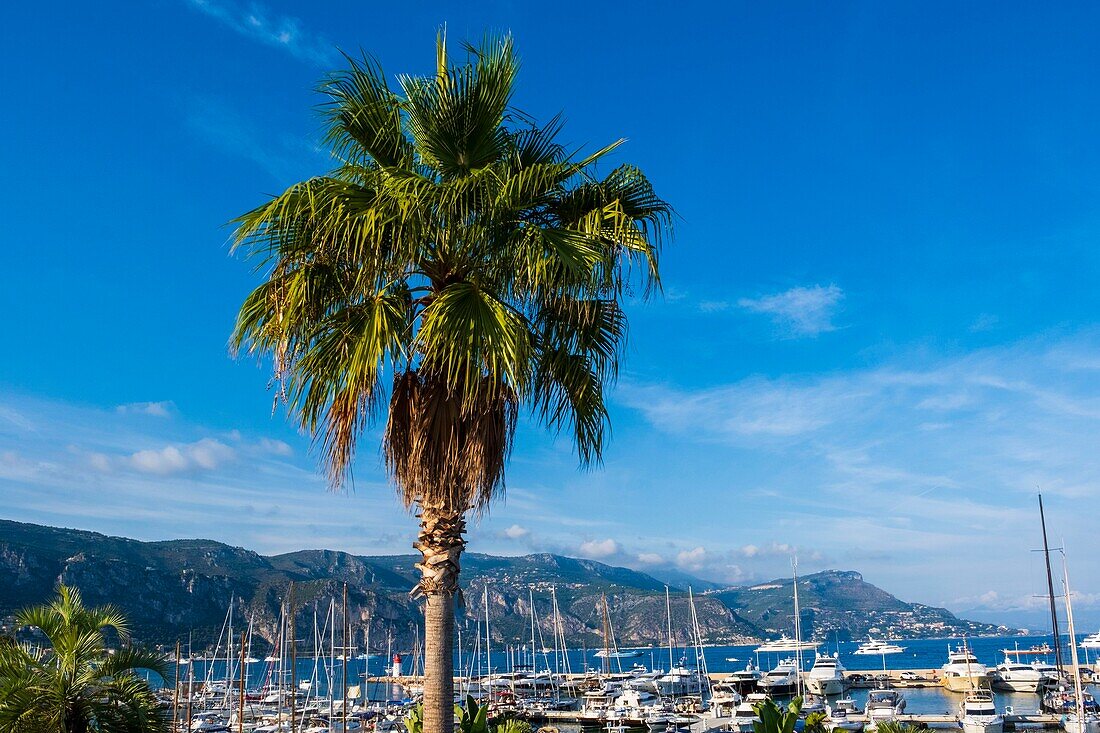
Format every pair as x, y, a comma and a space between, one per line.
983, 725
964, 683
828, 687
1012, 685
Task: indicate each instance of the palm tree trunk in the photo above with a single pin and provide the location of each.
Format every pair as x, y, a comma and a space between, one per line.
441, 544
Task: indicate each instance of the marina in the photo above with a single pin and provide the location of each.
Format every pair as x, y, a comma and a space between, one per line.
589, 698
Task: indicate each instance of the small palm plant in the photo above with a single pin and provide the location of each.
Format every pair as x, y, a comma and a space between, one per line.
770, 718
78, 685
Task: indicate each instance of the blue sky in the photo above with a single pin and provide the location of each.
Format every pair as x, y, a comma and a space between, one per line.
879, 330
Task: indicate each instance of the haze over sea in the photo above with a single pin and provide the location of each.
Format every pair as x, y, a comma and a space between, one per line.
879, 332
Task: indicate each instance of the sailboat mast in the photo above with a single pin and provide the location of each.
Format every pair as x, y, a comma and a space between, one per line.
606, 637
1050, 591
488, 657
797, 628
1078, 692
531, 602
668, 615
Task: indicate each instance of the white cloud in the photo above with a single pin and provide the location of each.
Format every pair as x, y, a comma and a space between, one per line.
516, 532
206, 454
984, 322
100, 462
275, 447
799, 311
279, 31
650, 558
692, 559
599, 549
155, 409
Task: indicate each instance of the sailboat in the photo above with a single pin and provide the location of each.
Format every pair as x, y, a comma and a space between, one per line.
1081, 720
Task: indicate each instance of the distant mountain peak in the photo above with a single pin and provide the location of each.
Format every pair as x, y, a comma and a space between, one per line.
169, 588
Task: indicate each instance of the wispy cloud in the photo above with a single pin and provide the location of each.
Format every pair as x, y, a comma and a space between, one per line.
801, 311
259, 23
155, 409
104, 470
919, 459
285, 158
203, 455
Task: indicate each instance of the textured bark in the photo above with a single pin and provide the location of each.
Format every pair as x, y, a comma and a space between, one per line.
441, 544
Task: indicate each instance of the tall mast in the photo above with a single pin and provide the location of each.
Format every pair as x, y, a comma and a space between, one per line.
531, 601
344, 666
488, 656
1050, 592
293, 655
240, 692
1078, 692
668, 615
797, 628
606, 637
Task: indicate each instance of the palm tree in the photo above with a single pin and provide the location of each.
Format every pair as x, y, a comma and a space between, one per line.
77, 685
458, 266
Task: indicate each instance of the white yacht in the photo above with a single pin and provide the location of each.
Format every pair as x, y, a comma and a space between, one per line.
680, 681
1012, 675
963, 672
844, 715
978, 713
826, 677
883, 705
744, 715
746, 680
621, 654
878, 647
786, 644
1092, 641
783, 678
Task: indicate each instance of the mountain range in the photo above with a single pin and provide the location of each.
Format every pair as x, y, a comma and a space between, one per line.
176, 589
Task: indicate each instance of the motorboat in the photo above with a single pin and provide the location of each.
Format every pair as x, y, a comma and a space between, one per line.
607, 654
786, 644
963, 672
1050, 677
746, 680
883, 704
1092, 641
724, 699
826, 677
978, 713
782, 679
878, 647
811, 704
1012, 675
744, 715
680, 681
844, 715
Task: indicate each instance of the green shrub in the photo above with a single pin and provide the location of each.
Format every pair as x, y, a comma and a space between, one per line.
772, 719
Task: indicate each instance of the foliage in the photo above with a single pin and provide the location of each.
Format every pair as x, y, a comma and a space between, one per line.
894, 726
78, 685
815, 723
472, 722
461, 264
772, 719
513, 725
414, 721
